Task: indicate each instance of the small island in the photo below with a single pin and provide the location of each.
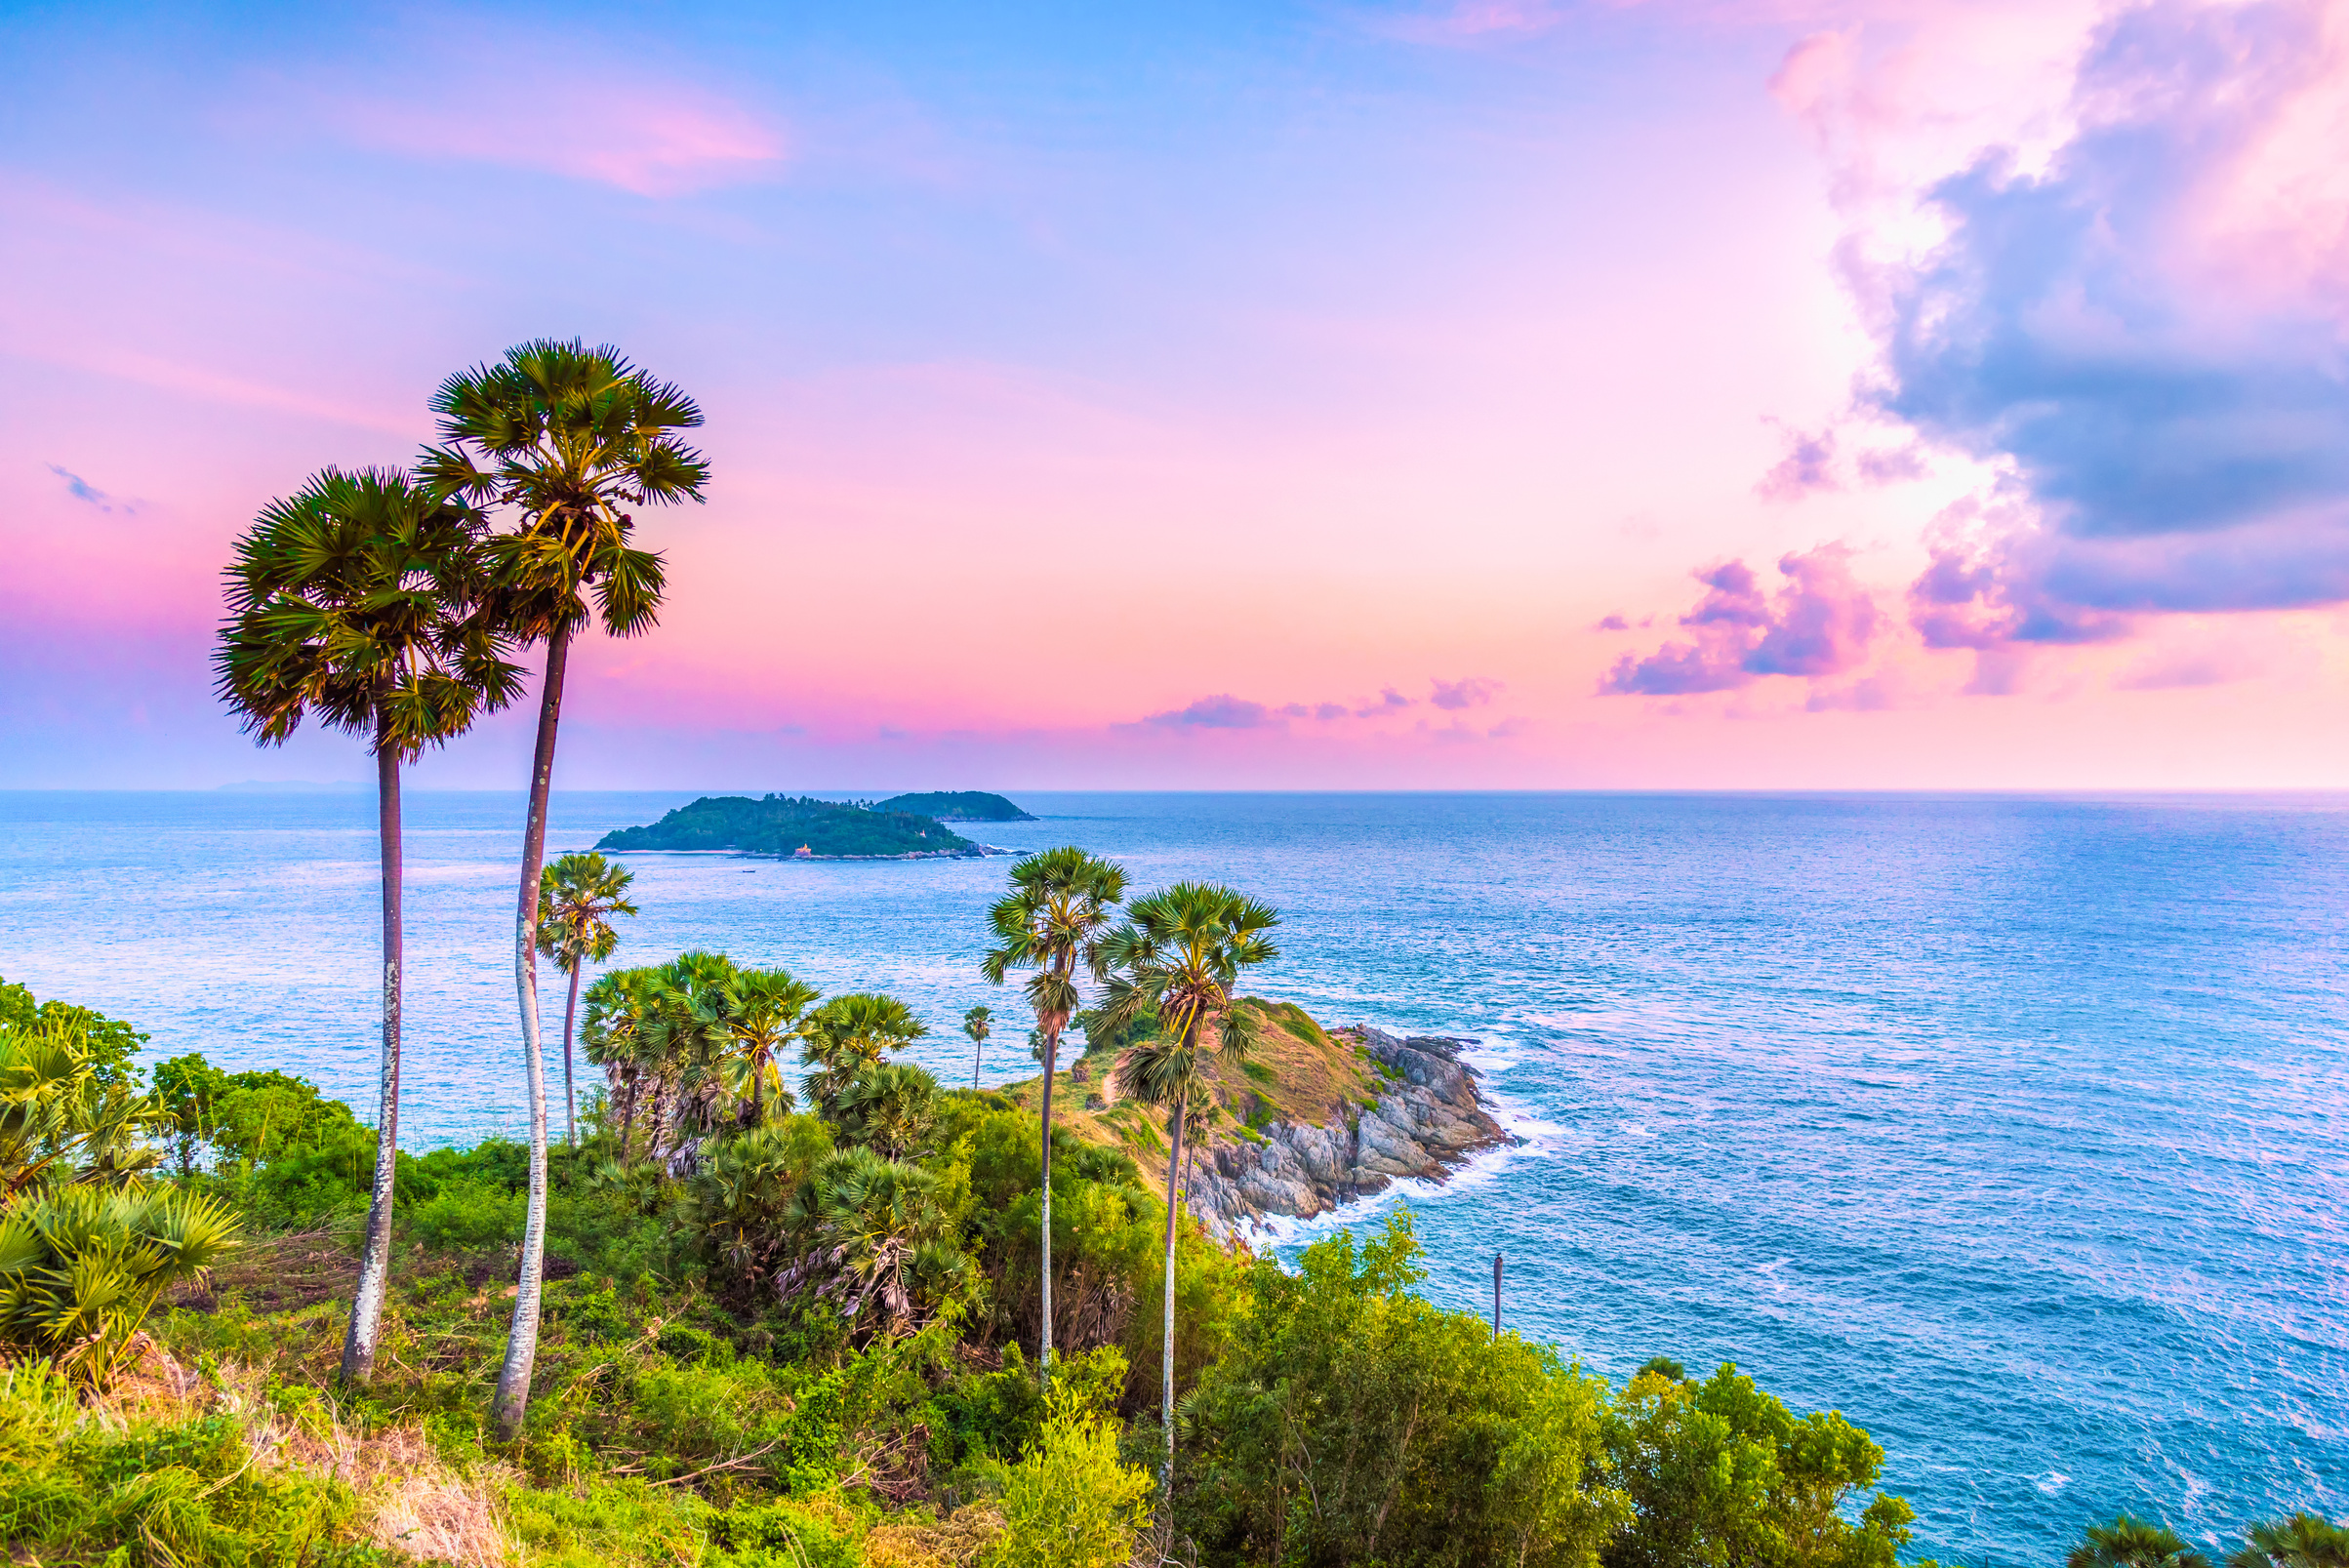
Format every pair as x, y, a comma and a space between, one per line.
798, 827
958, 806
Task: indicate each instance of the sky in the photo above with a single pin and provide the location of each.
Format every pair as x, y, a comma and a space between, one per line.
1485, 395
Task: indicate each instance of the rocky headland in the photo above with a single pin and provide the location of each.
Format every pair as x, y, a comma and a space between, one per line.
1317, 1118
1424, 1121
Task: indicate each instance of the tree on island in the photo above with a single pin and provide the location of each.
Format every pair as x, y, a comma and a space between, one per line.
1053, 921
578, 895
974, 1025
1177, 957
360, 600
566, 438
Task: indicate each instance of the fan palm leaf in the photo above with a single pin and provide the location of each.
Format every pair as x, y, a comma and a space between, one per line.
578, 897
363, 600
2129, 1543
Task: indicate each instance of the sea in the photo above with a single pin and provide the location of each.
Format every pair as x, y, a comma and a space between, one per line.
2016, 1128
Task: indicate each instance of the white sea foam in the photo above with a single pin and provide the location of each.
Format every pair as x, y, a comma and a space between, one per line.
1533, 1135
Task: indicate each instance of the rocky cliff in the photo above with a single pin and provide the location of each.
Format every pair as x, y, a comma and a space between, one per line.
1422, 1117
1313, 1118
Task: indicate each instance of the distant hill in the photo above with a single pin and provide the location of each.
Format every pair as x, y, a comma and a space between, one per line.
957, 806
782, 824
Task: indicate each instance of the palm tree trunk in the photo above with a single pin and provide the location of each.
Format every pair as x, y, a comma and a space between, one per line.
522, 1340
627, 1113
1044, 1350
1174, 1166
571, 1095
375, 1263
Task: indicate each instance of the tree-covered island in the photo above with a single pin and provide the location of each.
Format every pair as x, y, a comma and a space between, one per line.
958, 806
796, 825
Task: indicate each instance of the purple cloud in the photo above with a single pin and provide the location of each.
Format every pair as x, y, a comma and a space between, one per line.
1612, 624
1227, 712
1807, 466
83, 490
1820, 623
1222, 711
2145, 333
1472, 691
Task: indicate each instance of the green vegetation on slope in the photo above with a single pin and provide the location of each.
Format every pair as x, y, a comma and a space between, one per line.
957, 806
783, 824
797, 1338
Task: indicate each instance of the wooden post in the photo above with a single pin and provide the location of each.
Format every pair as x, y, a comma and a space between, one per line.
1496, 1295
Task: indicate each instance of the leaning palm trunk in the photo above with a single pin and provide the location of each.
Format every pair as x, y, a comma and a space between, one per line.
570, 1095
513, 1401
375, 1263
1174, 1166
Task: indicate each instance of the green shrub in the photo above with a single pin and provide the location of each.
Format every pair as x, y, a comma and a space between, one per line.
1069, 1503
75, 1487
784, 1534
465, 1216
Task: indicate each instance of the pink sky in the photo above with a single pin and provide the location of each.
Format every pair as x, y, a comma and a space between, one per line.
1142, 406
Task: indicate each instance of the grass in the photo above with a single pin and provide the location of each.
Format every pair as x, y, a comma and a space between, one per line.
1300, 1072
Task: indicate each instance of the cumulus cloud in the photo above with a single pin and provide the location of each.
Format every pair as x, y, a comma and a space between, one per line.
2145, 328
1388, 700
1474, 690
1612, 624
1819, 623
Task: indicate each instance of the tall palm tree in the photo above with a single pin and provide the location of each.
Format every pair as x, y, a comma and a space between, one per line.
1177, 956
763, 1011
358, 600
565, 439
2303, 1540
974, 1025
578, 896
850, 1035
2129, 1543
1052, 921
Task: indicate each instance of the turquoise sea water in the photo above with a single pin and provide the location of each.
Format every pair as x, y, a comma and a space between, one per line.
2015, 1127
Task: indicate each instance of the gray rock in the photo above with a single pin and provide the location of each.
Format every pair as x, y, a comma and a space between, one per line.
1426, 1122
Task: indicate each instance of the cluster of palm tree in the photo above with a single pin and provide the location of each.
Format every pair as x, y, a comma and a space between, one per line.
392, 605
698, 1045
2303, 1540
1172, 964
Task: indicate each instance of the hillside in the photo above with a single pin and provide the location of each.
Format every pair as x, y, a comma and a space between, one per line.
957, 806
783, 824
1319, 1116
